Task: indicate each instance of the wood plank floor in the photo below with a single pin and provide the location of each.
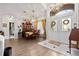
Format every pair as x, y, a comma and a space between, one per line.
22, 47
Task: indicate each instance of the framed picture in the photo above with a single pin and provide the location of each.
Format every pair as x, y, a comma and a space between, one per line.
54, 25
66, 24
4, 25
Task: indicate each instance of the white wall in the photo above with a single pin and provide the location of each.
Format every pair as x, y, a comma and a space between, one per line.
59, 34
0, 24
17, 10
5, 29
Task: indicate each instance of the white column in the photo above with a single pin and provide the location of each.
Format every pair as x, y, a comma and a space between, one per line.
48, 21
16, 28
76, 14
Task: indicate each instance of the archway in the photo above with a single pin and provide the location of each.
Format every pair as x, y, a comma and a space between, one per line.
64, 12
59, 8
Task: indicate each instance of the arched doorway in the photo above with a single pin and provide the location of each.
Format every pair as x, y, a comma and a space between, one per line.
56, 9
57, 15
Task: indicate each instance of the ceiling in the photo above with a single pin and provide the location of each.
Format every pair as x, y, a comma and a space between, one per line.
28, 10
22, 9
57, 8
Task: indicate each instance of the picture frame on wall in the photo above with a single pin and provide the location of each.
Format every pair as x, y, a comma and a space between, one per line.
54, 25
4, 25
66, 24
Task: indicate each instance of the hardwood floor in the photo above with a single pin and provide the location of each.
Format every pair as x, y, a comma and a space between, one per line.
22, 47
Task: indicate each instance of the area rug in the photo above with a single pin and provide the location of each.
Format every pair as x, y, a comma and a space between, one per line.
59, 47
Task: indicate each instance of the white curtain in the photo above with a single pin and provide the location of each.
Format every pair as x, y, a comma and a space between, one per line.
40, 27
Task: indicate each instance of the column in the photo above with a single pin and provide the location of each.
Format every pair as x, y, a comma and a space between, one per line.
76, 14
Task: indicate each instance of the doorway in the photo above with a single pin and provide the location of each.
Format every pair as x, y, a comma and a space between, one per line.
11, 30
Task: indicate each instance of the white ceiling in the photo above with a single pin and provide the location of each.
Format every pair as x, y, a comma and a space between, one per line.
19, 8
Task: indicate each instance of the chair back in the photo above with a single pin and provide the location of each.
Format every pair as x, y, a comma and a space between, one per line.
74, 35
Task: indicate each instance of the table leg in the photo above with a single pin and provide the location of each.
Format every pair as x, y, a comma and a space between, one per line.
70, 46
77, 44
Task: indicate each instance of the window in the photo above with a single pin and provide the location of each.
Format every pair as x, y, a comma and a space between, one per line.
40, 27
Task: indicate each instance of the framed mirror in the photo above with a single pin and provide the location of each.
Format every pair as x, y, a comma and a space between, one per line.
54, 25
66, 24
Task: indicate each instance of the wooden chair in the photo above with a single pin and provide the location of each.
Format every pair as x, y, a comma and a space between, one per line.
36, 33
74, 35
